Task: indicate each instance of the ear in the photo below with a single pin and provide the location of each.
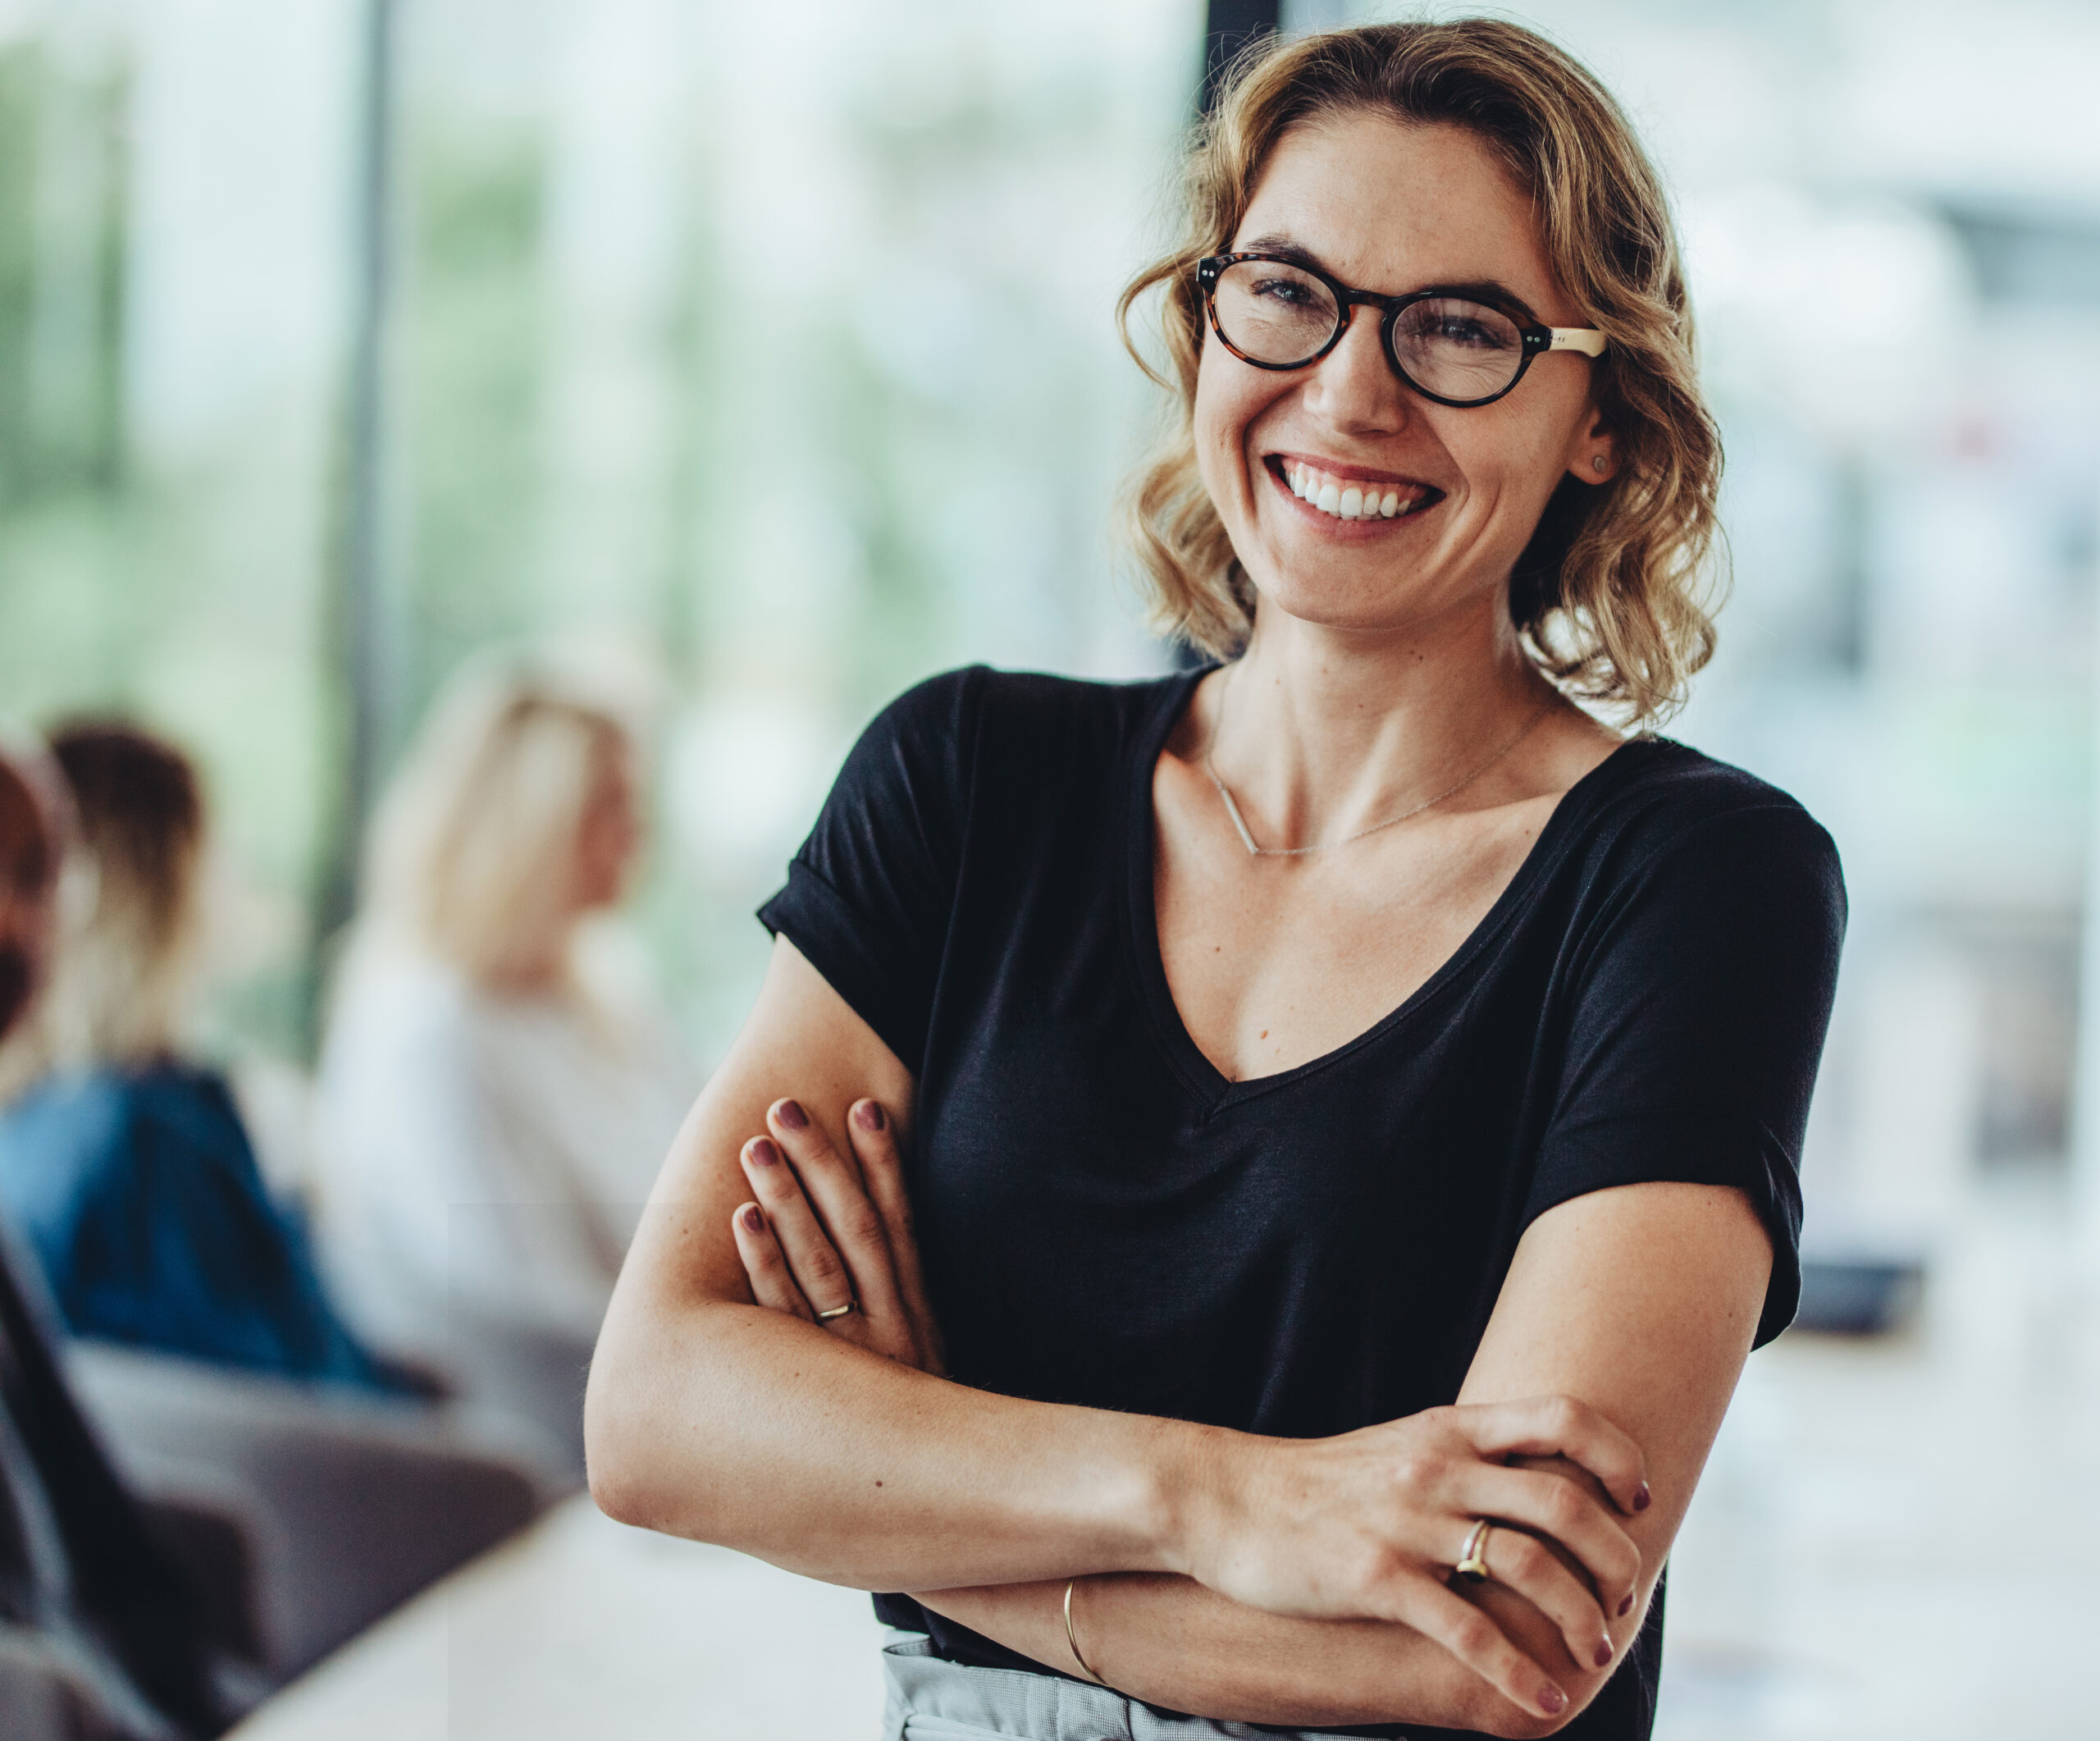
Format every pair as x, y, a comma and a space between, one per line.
1593, 455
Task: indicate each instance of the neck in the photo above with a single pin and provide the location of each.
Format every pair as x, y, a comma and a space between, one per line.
534, 970
1321, 732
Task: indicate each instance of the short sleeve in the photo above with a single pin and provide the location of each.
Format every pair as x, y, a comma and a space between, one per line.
868, 897
1700, 1006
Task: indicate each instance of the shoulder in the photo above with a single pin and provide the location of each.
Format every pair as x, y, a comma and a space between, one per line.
82, 1135
64, 1132
394, 997
931, 752
1657, 803
189, 1106
1669, 856
1018, 710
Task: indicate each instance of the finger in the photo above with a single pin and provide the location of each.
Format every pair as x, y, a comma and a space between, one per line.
765, 1265
873, 1136
1562, 1426
1554, 1506
1474, 1639
1535, 1572
832, 1184
815, 1264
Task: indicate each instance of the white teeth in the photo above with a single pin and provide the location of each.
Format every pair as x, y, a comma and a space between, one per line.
1349, 501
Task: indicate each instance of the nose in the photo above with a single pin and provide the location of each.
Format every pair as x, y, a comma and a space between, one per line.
1355, 387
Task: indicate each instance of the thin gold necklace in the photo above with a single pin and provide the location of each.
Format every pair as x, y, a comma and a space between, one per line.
1246, 835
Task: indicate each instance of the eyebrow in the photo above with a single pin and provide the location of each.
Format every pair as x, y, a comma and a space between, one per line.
1478, 290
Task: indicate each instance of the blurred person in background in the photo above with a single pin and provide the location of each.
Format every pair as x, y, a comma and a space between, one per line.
497, 1084
31, 799
100, 1633
124, 1166
1287, 1160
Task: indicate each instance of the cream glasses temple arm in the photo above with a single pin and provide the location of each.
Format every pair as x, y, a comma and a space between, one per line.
1588, 339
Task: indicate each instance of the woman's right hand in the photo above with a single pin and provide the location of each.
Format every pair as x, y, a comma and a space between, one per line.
831, 1230
1372, 1523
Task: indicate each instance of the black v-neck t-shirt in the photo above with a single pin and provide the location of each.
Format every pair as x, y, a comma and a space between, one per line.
1105, 1219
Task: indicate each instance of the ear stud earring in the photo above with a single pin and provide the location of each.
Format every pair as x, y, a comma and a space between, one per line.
1596, 462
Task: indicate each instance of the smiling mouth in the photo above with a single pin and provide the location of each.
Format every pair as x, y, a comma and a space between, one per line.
1352, 498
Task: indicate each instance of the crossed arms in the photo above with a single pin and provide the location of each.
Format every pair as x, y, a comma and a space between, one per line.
1293, 1582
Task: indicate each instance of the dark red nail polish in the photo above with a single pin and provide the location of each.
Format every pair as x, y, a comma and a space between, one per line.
1626, 1607
1641, 1496
762, 1152
1603, 1653
870, 1115
792, 1115
754, 1221
1552, 1701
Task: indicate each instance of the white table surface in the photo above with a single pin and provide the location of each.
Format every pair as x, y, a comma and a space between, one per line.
582, 1627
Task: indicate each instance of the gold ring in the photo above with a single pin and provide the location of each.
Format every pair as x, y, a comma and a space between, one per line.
1472, 1563
835, 1311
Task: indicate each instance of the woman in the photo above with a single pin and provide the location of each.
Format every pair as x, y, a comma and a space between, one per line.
98, 1633
125, 1167
494, 1098
1340, 1110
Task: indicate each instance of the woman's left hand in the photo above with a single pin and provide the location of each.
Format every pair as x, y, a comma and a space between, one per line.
831, 1231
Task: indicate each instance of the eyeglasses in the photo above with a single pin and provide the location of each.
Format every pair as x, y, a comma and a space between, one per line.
1449, 346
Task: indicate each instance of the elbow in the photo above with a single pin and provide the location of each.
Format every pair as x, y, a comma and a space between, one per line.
643, 1461
631, 1477
614, 1490
611, 1469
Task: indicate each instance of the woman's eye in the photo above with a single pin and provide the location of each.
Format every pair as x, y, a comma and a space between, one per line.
1291, 292
1472, 334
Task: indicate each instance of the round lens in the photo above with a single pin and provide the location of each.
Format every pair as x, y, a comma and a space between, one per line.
1271, 313
1458, 350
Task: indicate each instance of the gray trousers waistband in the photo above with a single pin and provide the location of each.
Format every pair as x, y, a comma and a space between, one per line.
932, 1699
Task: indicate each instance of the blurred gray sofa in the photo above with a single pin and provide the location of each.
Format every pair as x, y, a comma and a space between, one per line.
304, 1513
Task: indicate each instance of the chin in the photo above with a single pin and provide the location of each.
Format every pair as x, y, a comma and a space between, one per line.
1352, 606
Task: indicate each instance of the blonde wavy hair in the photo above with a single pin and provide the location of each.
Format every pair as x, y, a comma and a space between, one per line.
1614, 593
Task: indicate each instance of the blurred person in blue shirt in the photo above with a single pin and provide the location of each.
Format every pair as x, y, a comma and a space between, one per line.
125, 1167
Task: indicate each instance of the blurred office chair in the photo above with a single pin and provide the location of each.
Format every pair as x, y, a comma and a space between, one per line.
347, 1505
102, 1635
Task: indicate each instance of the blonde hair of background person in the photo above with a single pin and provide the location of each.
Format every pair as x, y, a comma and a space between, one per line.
130, 910
512, 817
1472, 892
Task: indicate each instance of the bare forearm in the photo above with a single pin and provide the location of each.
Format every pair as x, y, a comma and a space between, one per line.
727, 1424
1175, 1644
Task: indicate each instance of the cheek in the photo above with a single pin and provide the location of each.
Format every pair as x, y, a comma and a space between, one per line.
1514, 466
1226, 405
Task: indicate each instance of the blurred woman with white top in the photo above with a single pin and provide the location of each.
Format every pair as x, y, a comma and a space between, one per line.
497, 1086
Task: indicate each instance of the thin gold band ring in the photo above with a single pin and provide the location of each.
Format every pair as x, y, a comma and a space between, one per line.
1472, 1563
835, 1311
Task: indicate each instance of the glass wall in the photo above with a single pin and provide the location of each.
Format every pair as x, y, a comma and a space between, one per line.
780, 372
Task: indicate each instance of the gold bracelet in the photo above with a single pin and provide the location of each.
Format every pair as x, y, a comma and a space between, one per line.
1071, 1638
